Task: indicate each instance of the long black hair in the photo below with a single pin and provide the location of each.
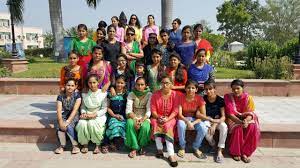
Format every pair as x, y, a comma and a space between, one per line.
137, 24
180, 69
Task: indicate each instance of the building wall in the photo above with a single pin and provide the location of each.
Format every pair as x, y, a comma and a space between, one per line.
29, 37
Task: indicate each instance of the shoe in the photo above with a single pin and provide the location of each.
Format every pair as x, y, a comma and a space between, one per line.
181, 153
199, 154
172, 163
159, 154
219, 159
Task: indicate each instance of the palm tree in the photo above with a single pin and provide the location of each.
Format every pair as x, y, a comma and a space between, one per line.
16, 9
166, 13
57, 25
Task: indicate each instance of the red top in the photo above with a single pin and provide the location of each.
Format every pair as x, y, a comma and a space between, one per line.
171, 71
189, 108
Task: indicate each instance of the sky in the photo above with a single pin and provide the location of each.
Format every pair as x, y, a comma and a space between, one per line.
74, 12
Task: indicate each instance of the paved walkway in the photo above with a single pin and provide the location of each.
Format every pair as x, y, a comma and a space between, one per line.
271, 110
40, 155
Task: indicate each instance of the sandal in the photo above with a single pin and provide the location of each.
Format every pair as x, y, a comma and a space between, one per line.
96, 150
199, 154
75, 150
59, 150
132, 154
104, 149
219, 159
84, 149
159, 154
245, 159
142, 151
236, 158
181, 153
172, 163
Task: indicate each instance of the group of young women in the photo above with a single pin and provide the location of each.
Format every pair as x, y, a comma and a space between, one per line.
131, 87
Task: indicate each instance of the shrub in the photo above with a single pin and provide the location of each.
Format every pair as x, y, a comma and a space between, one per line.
46, 52
289, 48
223, 59
4, 72
4, 54
273, 68
260, 50
216, 40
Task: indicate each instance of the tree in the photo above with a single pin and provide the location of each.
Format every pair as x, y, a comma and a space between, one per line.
57, 25
48, 40
281, 20
166, 13
240, 19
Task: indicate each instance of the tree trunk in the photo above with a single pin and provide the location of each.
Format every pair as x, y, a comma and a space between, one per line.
57, 28
166, 13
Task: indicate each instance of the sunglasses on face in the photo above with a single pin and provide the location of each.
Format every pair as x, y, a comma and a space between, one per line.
133, 18
130, 34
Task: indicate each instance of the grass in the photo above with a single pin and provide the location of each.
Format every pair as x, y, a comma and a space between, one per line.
41, 68
47, 68
226, 73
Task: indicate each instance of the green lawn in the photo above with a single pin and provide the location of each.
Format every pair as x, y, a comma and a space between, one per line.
226, 73
47, 68
41, 68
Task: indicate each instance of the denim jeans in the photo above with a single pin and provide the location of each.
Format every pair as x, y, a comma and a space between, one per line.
200, 128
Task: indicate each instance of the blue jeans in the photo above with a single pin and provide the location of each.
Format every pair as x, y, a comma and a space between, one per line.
201, 129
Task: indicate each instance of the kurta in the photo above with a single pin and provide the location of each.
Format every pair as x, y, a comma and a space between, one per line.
66, 73
103, 73
116, 128
164, 107
243, 141
92, 129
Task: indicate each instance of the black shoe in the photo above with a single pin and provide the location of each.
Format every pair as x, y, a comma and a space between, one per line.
173, 164
159, 155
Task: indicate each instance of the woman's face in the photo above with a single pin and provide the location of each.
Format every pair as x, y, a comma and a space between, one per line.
100, 35
140, 85
164, 37
156, 58
122, 62
210, 90
201, 57
133, 19
175, 25
174, 62
198, 32
186, 34
82, 32
191, 90
70, 86
114, 22
130, 36
73, 59
120, 84
111, 33
93, 84
166, 84
150, 20
237, 90
152, 39
97, 55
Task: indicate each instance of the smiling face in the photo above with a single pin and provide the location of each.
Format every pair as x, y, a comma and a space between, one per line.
139, 69
174, 62
122, 62
130, 35
97, 55
150, 20
93, 84
100, 35
156, 58
120, 84
133, 20
191, 90
111, 32
114, 22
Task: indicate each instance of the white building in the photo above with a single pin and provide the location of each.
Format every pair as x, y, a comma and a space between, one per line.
29, 37
236, 46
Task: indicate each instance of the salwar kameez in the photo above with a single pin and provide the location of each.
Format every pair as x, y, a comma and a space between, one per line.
92, 129
136, 139
243, 141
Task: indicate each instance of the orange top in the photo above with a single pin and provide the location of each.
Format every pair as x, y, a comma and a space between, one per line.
67, 73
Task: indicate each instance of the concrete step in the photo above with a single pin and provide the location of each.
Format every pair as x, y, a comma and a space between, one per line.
43, 131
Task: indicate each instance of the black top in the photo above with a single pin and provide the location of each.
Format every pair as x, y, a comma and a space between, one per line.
147, 55
111, 52
213, 109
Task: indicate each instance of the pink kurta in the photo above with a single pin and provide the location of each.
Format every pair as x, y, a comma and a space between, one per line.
243, 141
147, 30
164, 107
120, 34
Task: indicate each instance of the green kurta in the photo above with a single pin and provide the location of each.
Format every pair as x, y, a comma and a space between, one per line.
92, 129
